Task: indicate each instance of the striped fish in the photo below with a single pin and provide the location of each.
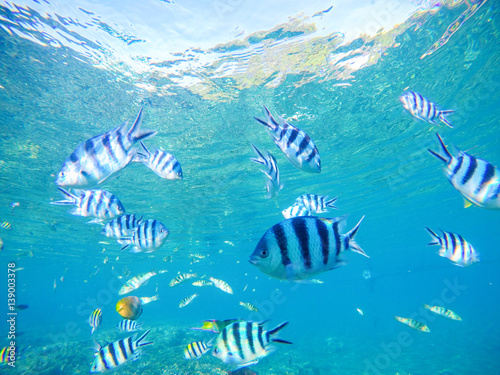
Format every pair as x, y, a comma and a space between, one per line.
202, 283
6, 225
423, 109
222, 285
273, 184
455, 248
248, 306
95, 320
186, 301
477, 180
102, 156
160, 162
415, 324
147, 237
443, 312
100, 204
301, 247
116, 354
121, 226
137, 281
181, 278
245, 343
127, 325
196, 349
316, 203
295, 210
297, 146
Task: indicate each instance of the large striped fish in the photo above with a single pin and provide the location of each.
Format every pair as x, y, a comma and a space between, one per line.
121, 226
100, 157
301, 247
245, 343
455, 248
147, 237
273, 184
295, 210
476, 179
316, 203
423, 109
160, 162
100, 204
127, 325
297, 146
196, 349
116, 354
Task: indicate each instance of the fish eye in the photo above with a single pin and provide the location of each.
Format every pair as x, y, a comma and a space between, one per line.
264, 253
216, 350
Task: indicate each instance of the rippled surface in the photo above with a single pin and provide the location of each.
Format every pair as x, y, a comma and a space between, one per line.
68, 73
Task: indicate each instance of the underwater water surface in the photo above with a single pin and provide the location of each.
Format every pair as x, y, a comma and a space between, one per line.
201, 72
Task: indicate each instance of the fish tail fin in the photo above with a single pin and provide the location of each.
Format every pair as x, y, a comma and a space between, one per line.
443, 119
270, 122
138, 342
135, 133
445, 156
330, 203
353, 245
70, 198
276, 330
261, 159
436, 240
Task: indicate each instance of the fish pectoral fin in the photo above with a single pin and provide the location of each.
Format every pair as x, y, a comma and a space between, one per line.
467, 203
338, 263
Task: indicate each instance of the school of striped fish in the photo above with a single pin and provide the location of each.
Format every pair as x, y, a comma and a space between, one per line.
295, 249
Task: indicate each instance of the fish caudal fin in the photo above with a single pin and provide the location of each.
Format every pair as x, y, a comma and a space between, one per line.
143, 336
445, 156
70, 198
276, 330
135, 133
271, 123
436, 240
353, 246
443, 119
330, 203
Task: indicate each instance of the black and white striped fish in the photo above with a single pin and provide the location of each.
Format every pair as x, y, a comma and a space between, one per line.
316, 203
100, 204
98, 158
245, 343
196, 349
455, 248
301, 247
295, 210
476, 179
116, 354
147, 237
127, 325
181, 278
137, 281
423, 109
297, 146
273, 184
160, 162
95, 320
121, 226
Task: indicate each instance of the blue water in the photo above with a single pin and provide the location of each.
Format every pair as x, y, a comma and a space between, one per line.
374, 159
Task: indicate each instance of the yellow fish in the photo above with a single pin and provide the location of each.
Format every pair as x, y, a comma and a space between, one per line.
215, 326
443, 312
413, 324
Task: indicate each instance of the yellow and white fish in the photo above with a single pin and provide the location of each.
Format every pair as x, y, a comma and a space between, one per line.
95, 320
222, 285
186, 301
443, 312
413, 324
248, 306
181, 278
202, 283
137, 281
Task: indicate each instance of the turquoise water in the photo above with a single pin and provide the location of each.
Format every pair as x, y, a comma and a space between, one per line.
344, 93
